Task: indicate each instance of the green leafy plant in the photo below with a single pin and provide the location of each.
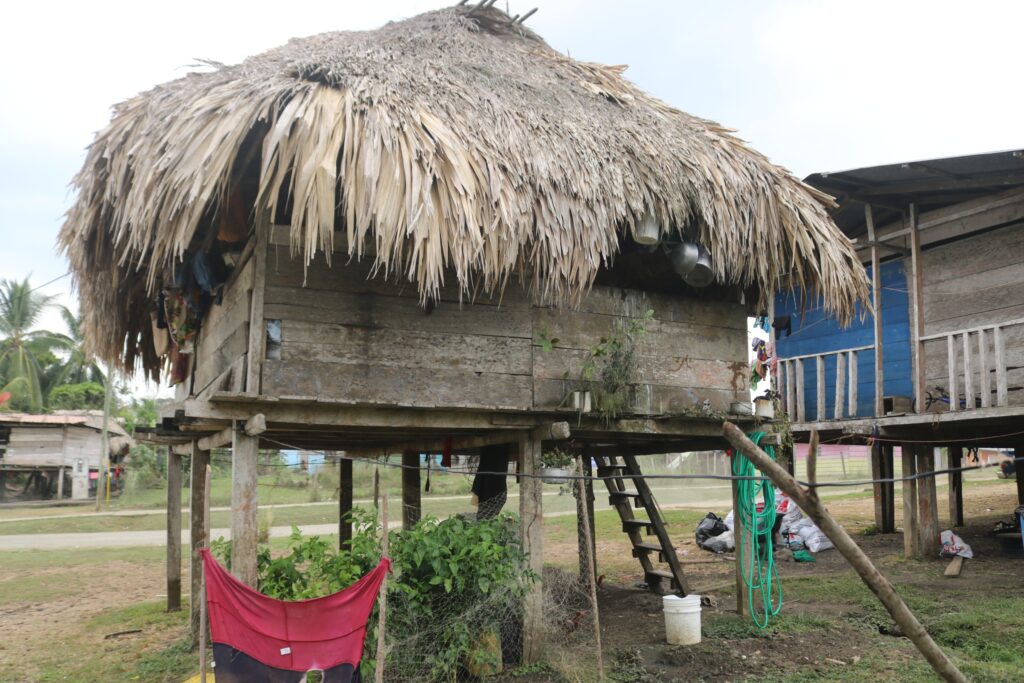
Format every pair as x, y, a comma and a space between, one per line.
558, 457
609, 371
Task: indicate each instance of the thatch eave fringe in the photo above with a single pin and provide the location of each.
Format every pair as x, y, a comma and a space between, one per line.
457, 147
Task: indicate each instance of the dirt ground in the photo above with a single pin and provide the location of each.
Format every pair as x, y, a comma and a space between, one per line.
831, 628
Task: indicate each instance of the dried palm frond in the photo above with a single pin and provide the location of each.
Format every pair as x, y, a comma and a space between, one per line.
443, 145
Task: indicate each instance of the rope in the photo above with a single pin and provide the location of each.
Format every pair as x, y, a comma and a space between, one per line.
754, 549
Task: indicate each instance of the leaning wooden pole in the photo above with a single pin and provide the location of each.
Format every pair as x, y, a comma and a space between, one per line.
581, 490
812, 506
382, 605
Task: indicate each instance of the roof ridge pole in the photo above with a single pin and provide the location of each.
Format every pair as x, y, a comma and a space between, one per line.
527, 16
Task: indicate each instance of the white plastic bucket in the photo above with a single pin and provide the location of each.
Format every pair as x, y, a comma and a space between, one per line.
682, 619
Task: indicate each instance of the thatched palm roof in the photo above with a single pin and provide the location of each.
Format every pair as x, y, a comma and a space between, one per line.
445, 143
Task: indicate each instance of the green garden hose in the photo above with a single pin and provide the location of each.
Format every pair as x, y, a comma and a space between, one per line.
754, 549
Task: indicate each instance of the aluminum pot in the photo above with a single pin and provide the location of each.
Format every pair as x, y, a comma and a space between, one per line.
684, 258
701, 275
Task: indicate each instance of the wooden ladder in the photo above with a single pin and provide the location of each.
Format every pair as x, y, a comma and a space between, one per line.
647, 551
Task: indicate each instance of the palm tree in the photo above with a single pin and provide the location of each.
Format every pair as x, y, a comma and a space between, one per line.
21, 344
79, 366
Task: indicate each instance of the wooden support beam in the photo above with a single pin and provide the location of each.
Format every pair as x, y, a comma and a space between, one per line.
173, 531
878, 472
244, 522
927, 504
344, 503
876, 304
916, 311
910, 545
951, 366
554, 431
411, 505
956, 486
198, 532
742, 608
1018, 452
812, 506
888, 490
531, 520
257, 345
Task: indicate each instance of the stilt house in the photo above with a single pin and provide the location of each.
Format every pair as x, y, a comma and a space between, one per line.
942, 362
377, 241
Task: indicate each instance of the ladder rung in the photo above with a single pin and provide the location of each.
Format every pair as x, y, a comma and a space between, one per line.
652, 576
624, 494
605, 470
637, 524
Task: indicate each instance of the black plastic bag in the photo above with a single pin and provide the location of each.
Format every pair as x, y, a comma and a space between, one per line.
709, 527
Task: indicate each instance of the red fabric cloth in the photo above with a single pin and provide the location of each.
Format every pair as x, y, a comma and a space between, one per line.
306, 635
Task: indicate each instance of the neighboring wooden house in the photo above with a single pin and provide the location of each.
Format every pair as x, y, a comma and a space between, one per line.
390, 239
947, 239
59, 452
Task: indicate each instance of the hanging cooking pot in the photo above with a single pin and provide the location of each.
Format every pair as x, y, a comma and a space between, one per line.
701, 275
684, 258
647, 231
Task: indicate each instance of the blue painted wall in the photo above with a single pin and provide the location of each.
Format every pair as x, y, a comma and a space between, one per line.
815, 332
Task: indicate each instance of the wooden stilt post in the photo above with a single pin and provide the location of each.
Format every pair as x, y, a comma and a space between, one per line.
531, 516
888, 490
742, 608
198, 532
344, 503
910, 531
812, 506
173, 531
927, 504
382, 604
956, 486
581, 495
877, 472
1018, 452
202, 582
244, 523
411, 501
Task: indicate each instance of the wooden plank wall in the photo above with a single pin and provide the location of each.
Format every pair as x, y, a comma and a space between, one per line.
348, 337
969, 283
224, 336
44, 446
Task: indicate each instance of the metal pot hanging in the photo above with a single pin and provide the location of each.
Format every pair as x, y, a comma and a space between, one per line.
647, 231
701, 275
684, 258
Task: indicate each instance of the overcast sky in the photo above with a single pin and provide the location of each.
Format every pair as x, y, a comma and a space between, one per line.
816, 85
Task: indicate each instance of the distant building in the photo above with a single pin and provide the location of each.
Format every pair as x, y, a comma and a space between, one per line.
59, 452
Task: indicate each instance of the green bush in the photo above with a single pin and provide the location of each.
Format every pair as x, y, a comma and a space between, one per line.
454, 581
84, 396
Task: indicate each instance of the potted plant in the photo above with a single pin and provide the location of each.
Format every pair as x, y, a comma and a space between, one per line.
555, 466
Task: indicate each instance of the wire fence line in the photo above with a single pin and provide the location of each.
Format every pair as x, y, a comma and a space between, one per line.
335, 456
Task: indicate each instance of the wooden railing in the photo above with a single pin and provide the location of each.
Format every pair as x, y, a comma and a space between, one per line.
789, 380
968, 340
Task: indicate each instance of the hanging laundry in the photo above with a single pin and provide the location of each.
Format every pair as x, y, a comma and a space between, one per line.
258, 638
783, 323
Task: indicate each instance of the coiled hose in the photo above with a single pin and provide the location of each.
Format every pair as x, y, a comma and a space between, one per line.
755, 551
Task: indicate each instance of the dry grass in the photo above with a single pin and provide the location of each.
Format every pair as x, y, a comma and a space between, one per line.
440, 146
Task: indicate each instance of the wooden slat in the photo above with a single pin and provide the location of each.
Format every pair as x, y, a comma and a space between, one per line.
840, 384
955, 566
986, 379
791, 388
257, 330
952, 369
968, 373
801, 413
851, 408
999, 351
819, 363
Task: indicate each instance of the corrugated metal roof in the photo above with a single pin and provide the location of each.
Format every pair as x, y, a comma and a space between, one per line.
930, 184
